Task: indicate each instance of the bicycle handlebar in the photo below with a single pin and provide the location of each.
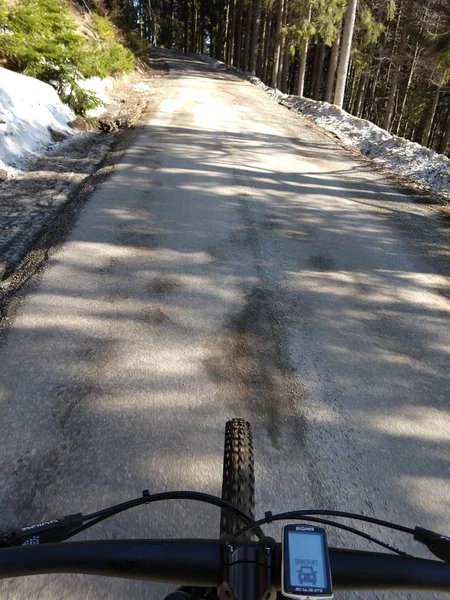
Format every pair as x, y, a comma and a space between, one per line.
199, 563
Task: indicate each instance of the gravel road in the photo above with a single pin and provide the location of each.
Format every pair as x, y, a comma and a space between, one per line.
237, 263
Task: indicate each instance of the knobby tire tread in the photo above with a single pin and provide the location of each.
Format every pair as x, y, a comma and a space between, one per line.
238, 482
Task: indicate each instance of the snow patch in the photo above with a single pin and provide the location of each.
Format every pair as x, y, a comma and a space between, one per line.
143, 87
32, 116
30, 111
408, 159
100, 88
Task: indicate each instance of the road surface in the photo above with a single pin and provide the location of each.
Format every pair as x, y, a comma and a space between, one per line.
237, 263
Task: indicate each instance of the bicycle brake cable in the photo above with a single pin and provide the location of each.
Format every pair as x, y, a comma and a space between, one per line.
58, 530
437, 543
301, 514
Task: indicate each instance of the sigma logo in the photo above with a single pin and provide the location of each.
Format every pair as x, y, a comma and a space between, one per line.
31, 541
304, 528
38, 525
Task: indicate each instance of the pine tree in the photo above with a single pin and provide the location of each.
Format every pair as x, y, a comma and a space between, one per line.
344, 58
277, 53
256, 15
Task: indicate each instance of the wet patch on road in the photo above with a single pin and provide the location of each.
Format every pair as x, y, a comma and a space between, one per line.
249, 363
139, 238
71, 396
91, 349
225, 250
322, 263
41, 471
156, 316
163, 285
109, 266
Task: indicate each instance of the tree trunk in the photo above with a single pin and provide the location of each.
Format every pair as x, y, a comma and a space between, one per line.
220, 31
238, 34
356, 108
302, 66
417, 52
318, 73
286, 63
171, 26
276, 57
354, 81
201, 28
408, 86
313, 69
419, 128
433, 139
197, 31
265, 66
259, 67
347, 39
186, 25
431, 114
256, 15
395, 78
193, 26
231, 28
332, 66
146, 18
445, 140
394, 43
302, 71
248, 35
284, 60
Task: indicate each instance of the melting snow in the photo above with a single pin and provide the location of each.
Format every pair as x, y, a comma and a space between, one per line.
401, 156
29, 109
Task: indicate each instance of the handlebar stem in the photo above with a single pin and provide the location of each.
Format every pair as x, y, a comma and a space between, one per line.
248, 572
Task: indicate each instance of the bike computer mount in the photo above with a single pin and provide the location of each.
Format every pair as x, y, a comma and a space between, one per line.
305, 571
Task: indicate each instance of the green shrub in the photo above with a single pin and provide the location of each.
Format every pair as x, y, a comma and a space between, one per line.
104, 28
105, 56
79, 99
100, 59
39, 38
139, 46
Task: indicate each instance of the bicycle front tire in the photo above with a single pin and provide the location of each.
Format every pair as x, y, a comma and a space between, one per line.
238, 481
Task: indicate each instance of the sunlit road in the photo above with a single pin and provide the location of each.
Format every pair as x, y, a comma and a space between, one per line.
238, 263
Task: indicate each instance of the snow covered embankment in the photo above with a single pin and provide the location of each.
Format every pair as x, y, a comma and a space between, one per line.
30, 111
408, 159
32, 116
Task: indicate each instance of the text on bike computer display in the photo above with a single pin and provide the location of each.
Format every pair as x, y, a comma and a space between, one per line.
306, 566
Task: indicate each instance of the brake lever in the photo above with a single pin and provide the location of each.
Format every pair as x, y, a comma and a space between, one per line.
47, 532
437, 544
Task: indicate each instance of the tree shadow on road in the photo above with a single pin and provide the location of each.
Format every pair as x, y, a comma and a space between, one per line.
197, 288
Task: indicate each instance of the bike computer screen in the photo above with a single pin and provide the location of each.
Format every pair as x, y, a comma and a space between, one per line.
306, 567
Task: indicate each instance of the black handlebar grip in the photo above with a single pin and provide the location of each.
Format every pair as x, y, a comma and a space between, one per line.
436, 543
355, 570
199, 563
191, 562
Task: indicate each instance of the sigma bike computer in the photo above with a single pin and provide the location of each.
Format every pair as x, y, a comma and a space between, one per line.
305, 571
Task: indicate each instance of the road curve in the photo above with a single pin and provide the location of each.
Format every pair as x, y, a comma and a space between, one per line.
237, 263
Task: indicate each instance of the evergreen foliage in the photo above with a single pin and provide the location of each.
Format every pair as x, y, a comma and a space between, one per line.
398, 72
398, 65
39, 38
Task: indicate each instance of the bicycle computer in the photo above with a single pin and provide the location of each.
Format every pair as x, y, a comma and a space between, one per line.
305, 569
